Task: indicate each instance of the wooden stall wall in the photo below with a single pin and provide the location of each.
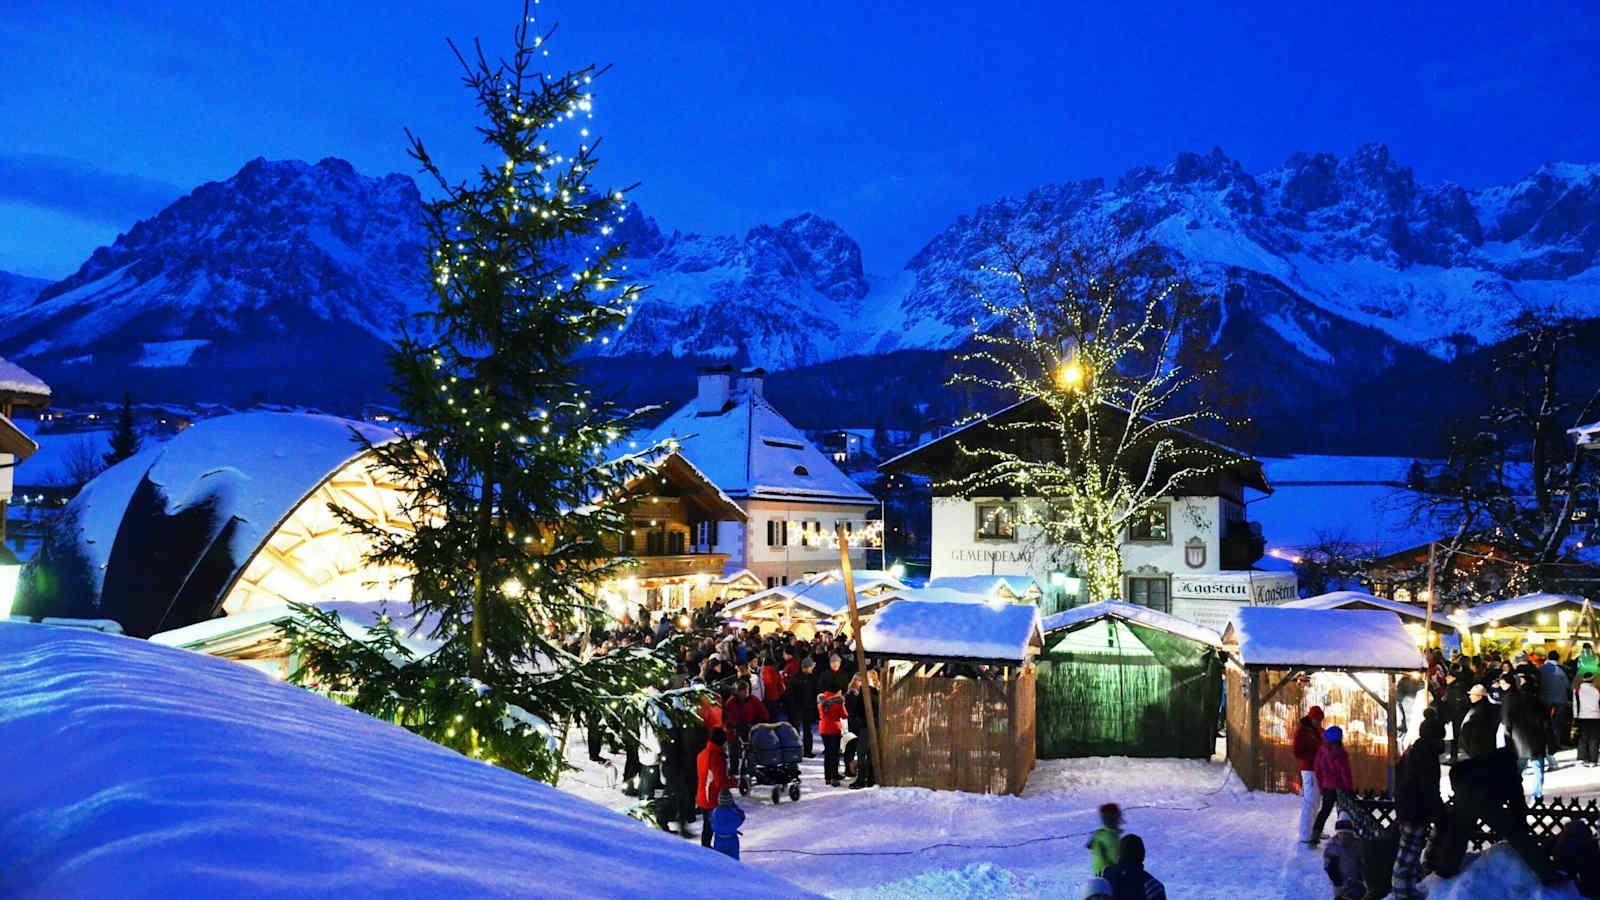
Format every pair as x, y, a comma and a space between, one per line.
964, 734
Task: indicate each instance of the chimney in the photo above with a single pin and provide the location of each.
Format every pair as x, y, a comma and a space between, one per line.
751, 381
712, 396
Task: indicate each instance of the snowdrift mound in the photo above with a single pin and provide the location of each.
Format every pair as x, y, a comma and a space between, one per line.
136, 770
1499, 874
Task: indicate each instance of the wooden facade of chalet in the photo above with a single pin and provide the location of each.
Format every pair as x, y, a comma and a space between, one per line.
673, 511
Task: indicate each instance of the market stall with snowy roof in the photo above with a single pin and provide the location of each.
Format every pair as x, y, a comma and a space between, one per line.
1010, 588
255, 636
1541, 621
1116, 679
802, 608
957, 693
1414, 617
1281, 662
229, 515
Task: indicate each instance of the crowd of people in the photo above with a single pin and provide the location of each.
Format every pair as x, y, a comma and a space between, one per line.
749, 678
1504, 714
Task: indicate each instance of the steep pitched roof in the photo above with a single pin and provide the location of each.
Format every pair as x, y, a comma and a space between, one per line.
749, 450
21, 386
1128, 612
939, 456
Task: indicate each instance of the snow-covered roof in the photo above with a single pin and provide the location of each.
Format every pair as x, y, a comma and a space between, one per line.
825, 598
937, 630
22, 385
1501, 610
748, 449
737, 575
1341, 599
933, 454
156, 540
1586, 436
15, 441
1129, 612
936, 595
1359, 500
161, 773
1017, 585
357, 618
1365, 639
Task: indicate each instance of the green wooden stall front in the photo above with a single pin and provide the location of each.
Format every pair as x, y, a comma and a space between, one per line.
1108, 687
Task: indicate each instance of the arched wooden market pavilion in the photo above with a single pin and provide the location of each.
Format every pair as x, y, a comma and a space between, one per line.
229, 516
957, 694
1117, 679
1282, 662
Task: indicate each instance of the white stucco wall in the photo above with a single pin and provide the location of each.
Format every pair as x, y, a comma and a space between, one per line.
957, 550
1204, 593
747, 542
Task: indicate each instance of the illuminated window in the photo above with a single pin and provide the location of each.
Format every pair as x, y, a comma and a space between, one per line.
1152, 524
997, 522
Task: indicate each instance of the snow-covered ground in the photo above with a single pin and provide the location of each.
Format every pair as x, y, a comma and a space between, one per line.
1207, 837
137, 770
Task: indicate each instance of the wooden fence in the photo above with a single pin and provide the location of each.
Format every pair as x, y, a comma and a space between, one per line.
1546, 818
966, 734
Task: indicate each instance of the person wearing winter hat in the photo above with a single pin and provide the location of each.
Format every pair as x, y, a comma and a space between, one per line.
1417, 804
1307, 740
725, 822
1128, 877
1097, 889
1332, 769
1480, 727
1342, 860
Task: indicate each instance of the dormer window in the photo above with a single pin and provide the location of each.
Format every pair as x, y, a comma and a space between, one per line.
801, 470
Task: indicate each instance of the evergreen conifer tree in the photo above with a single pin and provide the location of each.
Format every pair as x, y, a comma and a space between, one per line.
124, 440
516, 511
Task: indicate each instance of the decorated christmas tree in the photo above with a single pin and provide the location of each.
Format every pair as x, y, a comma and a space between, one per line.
504, 452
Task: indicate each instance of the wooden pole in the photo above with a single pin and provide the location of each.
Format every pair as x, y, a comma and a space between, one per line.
873, 743
1427, 629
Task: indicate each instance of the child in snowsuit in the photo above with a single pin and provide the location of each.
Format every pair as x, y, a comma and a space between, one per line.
1103, 843
1341, 859
725, 822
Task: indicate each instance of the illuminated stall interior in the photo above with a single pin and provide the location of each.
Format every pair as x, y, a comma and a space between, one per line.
1540, 621
228, 517
312, 556
1281, 662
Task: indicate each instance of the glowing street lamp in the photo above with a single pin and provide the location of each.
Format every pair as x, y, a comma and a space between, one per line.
1071, 375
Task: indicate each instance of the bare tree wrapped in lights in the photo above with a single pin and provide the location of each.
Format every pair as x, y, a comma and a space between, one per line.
1107, 348
1513, 481
507, 535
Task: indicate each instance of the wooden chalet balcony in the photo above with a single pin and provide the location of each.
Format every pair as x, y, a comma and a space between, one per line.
677, 565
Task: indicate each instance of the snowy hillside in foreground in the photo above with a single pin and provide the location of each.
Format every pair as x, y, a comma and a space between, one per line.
135, 770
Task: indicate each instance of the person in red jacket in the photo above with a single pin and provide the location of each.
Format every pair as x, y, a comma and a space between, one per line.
1307, 741
712, 766
1334, 778
830, 713
773, 685
742, 711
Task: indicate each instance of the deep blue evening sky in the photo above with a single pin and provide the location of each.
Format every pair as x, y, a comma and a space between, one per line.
889, 118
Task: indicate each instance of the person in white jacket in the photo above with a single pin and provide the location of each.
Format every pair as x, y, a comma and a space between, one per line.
1586, 705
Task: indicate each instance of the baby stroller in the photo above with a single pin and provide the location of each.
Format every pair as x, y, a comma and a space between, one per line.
771, 756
